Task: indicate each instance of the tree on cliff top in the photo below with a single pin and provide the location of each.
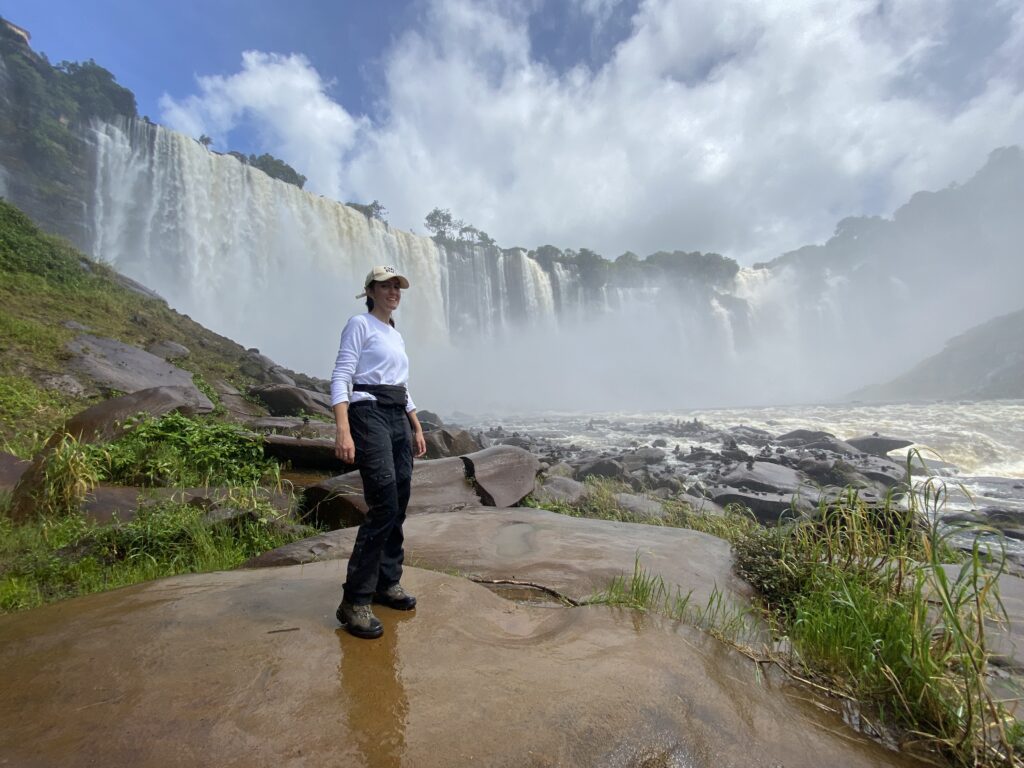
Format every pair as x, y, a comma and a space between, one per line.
374, 210
277, 169
96, 91
441, 224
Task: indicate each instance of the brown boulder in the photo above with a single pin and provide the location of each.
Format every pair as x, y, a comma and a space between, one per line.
304, 452
235, 403
442, 443
338, 502
504, 475
285, 400
105, 421
610, 468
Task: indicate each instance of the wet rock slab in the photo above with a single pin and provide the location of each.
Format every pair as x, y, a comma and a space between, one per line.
574, 556
250, 668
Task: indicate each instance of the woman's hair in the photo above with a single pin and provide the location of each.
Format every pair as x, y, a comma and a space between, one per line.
369, 305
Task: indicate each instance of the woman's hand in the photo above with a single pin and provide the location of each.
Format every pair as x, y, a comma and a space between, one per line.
419, 444
345, 447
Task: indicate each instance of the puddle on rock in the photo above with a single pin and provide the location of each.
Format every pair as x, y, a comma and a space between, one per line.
526, 595
303, 478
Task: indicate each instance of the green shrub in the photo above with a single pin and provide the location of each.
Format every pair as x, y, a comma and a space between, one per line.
175, 450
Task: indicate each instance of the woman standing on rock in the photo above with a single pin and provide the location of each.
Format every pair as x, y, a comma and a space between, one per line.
378, 430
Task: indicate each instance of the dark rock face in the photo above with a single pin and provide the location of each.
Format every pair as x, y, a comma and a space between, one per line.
429, 420
289, 400
802, 437
235, 403
304, 453
701, 505
264, 370
504, 475
879, 445
763, 476
769, 507
113, 365
642, 457
102, 422
889, 473
609, 468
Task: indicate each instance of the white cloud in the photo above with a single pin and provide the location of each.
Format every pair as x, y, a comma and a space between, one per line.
286, 98
744, 128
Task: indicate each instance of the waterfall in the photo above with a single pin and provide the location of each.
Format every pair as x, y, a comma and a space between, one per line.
256, 259
272, 266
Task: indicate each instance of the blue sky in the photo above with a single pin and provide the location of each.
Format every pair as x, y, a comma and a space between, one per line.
155, 48
738, 127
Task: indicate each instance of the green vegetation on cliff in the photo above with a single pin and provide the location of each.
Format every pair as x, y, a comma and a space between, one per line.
276, 168
48, 291
45, 103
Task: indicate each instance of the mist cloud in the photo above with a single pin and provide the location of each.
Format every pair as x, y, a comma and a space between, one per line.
742, 128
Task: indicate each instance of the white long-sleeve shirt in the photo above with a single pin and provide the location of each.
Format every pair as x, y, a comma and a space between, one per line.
371, 352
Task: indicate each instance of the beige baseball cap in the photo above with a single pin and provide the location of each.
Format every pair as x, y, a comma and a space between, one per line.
380, 274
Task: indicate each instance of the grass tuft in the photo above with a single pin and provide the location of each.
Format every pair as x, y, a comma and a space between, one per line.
874, 603
600, 503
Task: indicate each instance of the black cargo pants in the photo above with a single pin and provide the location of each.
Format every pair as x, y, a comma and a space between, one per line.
383, 440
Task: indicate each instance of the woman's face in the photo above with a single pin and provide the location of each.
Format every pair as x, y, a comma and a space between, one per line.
387, 293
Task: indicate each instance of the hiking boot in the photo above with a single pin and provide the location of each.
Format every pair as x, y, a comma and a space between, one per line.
395, 597
359, 620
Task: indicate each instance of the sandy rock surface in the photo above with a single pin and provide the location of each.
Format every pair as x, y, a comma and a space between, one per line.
249, 668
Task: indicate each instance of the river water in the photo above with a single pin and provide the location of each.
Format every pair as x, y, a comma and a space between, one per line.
983, 441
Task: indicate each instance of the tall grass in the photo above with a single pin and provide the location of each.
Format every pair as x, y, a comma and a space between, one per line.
865, 596
647, 592
53, 558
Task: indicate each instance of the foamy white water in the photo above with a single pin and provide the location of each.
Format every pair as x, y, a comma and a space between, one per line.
983, 439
